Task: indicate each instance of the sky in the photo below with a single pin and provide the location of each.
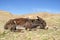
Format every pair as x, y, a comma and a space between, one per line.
30, 6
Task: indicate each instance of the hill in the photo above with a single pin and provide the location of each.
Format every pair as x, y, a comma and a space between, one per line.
52, 20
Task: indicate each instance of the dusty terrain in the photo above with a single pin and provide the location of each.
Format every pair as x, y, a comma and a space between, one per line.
53, 23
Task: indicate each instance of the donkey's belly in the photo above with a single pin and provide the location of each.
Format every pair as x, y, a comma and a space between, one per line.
20, 27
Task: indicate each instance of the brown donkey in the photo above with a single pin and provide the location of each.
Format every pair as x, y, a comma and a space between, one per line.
21, 23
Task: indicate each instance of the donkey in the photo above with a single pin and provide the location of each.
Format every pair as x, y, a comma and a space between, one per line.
25, 23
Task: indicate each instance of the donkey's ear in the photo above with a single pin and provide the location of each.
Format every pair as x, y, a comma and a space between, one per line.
38, 17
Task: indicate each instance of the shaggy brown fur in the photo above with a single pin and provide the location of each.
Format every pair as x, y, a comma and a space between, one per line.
26, 23
12, 23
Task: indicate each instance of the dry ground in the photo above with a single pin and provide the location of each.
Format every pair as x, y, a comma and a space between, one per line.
53, 23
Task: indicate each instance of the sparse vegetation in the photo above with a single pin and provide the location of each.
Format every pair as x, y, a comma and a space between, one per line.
53, 32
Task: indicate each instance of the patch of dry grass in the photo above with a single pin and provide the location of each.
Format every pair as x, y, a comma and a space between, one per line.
53, 33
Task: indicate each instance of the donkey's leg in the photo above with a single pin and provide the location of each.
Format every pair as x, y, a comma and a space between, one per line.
13, 28
28, 28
